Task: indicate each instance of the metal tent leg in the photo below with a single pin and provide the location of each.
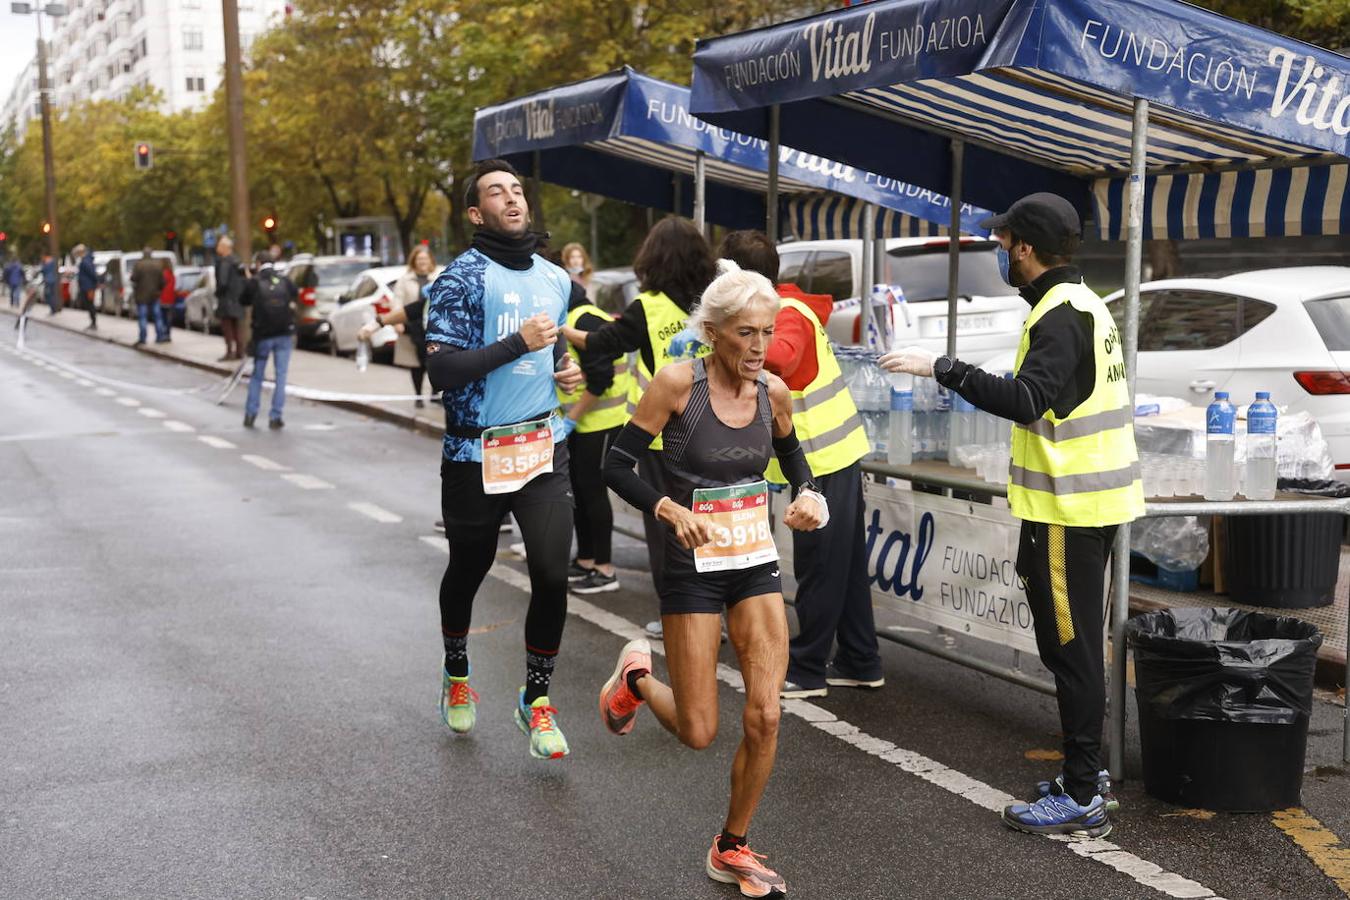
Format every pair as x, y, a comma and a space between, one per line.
954, 246
700, 192
771, 200
1120, 607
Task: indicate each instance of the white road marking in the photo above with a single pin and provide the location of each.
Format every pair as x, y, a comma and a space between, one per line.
977, 792
85, 382
150, 413
264, 463
128, 401
321, 426
65, 374
383, 516
175, 425
437, 541
105, 392
211, 440
307, 482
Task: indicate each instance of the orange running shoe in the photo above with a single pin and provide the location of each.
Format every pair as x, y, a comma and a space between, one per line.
742, 867
619, 705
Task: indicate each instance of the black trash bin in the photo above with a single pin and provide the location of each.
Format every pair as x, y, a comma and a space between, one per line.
1224, 700
1286, 560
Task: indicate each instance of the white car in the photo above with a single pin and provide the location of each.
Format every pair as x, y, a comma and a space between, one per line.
1286, 331
991, 313
371, 292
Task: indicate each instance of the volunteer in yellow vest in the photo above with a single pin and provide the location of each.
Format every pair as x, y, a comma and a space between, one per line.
1074, 479
673, 267
834, 599
592, 416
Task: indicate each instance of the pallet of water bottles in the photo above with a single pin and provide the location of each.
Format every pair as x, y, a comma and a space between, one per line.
911, 419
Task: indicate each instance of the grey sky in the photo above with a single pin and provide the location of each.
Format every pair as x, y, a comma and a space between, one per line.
18, 43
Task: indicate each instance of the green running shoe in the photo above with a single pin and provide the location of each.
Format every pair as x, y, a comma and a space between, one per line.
539, 721
459, 703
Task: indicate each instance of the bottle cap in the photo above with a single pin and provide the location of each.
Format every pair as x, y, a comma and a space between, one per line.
1220, 395
1263, 395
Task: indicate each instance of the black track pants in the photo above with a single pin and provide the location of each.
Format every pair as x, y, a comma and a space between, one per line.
594, 518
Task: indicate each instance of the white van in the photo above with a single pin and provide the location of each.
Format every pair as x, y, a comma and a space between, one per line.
991, 313
115, 296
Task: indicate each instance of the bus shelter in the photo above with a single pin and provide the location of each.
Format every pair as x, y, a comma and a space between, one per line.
1151, 116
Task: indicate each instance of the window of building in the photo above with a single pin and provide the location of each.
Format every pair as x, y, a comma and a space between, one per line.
196, 83
192, 39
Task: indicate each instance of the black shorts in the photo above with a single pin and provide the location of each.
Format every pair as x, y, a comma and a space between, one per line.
470, 514
711, 592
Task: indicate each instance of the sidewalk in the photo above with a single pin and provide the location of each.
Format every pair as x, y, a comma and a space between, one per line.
309, 370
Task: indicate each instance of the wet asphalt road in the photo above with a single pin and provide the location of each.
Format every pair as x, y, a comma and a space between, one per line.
219, 679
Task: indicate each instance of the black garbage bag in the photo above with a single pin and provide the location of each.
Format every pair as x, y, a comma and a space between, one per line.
1315, 487
1224, 665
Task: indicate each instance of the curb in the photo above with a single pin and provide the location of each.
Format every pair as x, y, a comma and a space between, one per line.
412, 423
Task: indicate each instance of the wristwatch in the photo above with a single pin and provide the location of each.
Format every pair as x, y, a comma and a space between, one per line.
942, 367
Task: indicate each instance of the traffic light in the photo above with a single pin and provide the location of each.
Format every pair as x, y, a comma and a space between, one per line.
169, 237
145, 155
269, 225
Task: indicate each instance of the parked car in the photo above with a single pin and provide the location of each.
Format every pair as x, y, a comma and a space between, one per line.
991, 313
614, 289
320, 280
1286, 331
186, 279
199, 306
371, 292
116, 292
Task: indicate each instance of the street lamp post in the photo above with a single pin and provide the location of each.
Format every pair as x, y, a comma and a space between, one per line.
55, 10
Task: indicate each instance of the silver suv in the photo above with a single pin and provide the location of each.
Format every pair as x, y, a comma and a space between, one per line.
321, 280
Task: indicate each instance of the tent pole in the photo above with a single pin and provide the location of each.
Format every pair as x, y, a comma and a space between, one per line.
771, 201
954, 245
1120, 563
868, 267
700, 192
677, 193
884, 327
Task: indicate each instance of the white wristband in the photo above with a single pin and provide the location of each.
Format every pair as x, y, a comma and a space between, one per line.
820, 501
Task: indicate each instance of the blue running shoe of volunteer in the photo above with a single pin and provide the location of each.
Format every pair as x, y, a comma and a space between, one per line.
1059, 814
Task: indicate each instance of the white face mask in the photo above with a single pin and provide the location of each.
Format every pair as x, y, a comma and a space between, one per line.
575, 270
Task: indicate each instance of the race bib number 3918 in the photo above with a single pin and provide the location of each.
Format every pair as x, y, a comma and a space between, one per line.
739, 515
514, 455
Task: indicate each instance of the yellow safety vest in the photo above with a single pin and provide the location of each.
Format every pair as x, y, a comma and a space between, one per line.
664, 321
610, 410
823, 414
1081, 470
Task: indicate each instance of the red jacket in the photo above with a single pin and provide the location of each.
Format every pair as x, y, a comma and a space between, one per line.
792, 355
169, 295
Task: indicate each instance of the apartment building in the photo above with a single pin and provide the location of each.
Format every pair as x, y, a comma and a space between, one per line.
105, 48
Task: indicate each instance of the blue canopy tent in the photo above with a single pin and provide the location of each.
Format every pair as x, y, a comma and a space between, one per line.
629, 137
1146, 110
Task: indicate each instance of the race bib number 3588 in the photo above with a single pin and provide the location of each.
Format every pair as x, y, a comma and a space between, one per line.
739, 515
514, 455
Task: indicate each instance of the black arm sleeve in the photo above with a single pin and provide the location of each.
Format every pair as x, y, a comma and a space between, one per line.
625, 334
1060, 342
620, 466
792, 460
449, 367
597, 367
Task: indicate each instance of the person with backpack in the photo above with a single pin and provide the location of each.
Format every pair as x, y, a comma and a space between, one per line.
272, 296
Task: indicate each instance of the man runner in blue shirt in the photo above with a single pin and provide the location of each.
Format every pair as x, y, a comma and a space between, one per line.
493, 352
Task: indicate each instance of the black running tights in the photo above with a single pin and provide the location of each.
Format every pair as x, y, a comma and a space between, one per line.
594, 518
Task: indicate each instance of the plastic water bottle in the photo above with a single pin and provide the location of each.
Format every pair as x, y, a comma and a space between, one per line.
961, 430
362, 355
876, 410
942, 414
1220, 472
1262, 469
923, 415
900, 447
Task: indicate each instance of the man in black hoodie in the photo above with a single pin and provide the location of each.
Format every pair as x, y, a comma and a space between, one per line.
493, 352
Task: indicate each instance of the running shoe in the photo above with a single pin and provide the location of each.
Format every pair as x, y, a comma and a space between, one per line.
518, 548
596, 582
742, 867
1045, 788
834, 677
619, 705
539, 721
795, 691
1059, 814
576, 572
459, 703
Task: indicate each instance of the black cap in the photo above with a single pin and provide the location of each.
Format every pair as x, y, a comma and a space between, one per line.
1047, 222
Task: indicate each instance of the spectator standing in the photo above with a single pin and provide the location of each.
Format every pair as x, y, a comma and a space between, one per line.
229, 297
147, 282
14, 280
577, 262
273, 298
51, 284
86, 282
167, 297
411, 349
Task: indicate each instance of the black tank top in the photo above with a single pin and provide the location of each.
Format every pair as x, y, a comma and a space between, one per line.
701, 451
